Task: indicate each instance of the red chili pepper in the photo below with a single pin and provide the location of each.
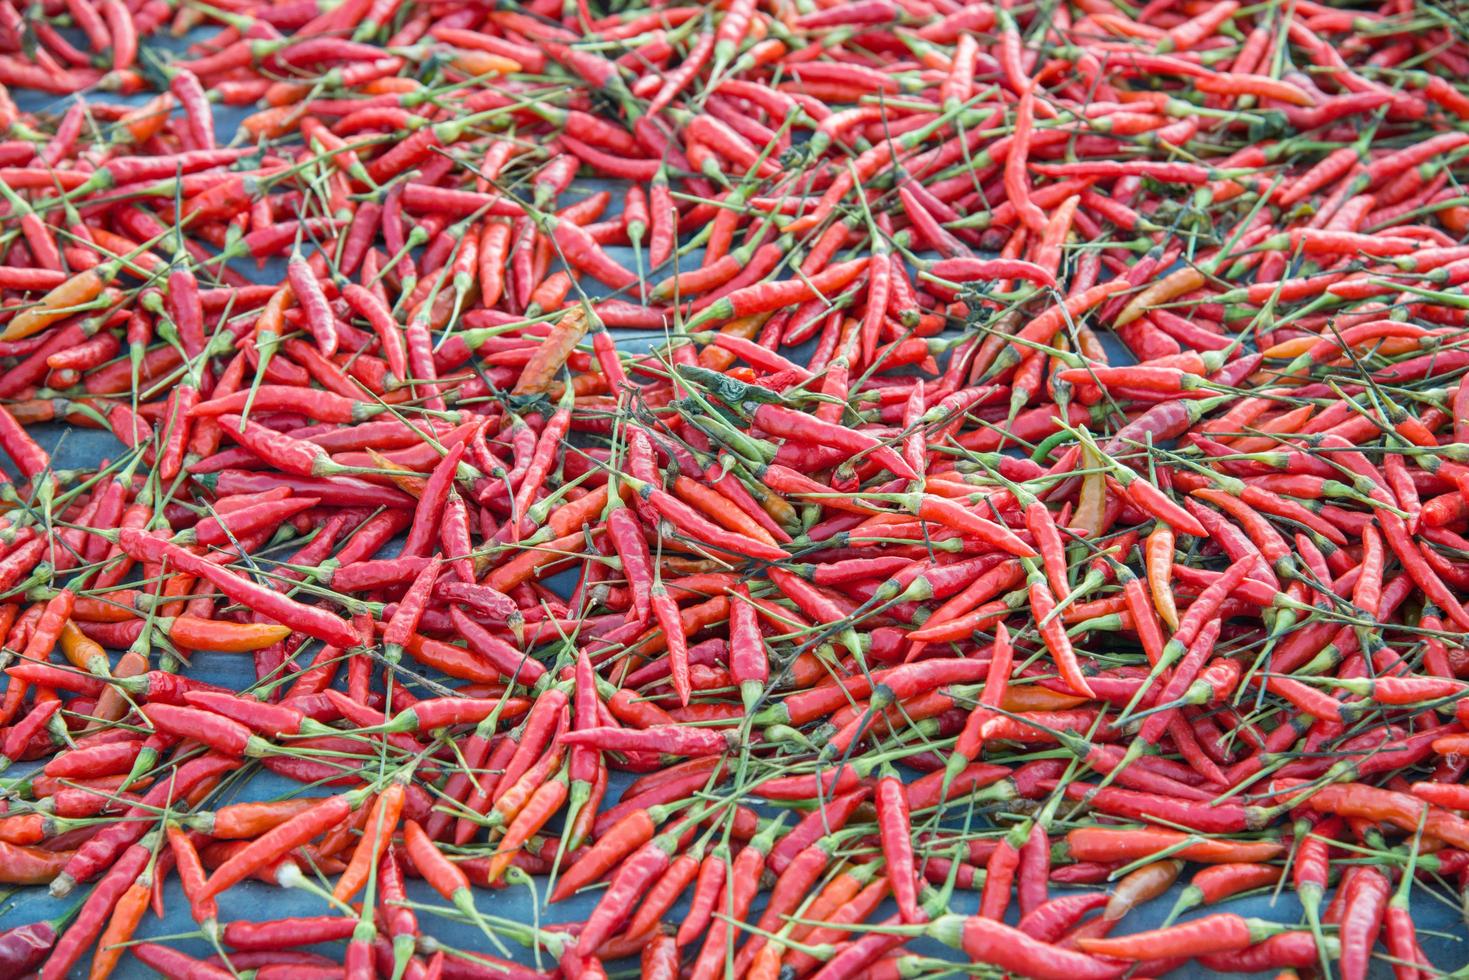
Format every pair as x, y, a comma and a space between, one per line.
740, 888
987, 941
176, 965
1366, 903
1217, 933
279, 841
317, 622
897, 845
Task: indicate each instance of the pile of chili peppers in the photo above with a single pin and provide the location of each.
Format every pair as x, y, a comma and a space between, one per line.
878, 573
